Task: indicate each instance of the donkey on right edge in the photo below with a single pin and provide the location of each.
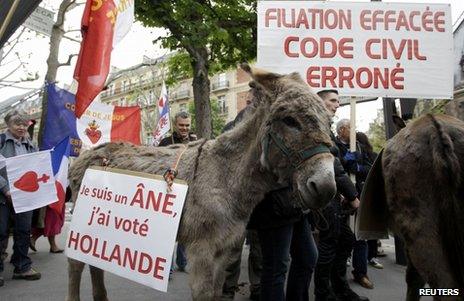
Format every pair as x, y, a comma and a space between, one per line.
416, 187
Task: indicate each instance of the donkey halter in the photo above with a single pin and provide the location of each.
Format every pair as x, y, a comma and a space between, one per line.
295, 158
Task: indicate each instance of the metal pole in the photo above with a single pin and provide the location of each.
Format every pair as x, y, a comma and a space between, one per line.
352, 146
8, 18
353, 124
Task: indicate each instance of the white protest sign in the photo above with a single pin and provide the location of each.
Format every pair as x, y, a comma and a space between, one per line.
31, 180
373, 49
126, 223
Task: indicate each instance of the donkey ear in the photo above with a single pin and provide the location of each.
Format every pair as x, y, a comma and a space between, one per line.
265, 78
295, 76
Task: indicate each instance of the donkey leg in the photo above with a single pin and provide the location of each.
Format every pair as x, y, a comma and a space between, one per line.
201, 272
414, 282
98, 284
221, 261
75, 269
437, 272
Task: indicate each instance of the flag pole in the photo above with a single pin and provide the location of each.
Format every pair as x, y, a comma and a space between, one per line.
170, 122
170, 118
8, 17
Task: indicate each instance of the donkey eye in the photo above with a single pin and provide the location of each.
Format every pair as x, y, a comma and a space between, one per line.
290, 121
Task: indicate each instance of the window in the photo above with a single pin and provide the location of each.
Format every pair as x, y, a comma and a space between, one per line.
222, 78
183, 107
222, 104
111, 89
151, 97
124, 86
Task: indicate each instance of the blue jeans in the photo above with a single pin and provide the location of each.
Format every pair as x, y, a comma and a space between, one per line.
21, 237
359, 259
276, 246
181, 257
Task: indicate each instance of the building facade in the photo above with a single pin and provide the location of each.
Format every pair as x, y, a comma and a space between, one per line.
141, 85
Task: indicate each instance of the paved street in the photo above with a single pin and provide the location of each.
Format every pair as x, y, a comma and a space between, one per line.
389, 283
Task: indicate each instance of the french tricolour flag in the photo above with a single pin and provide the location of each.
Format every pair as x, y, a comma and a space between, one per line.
163, 125
60, 164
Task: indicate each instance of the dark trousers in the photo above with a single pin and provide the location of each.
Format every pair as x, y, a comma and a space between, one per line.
21, 237
276, 246
372, 249
359, 259
335, 246
181, 257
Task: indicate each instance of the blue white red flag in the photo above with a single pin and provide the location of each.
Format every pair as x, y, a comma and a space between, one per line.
163, 126
99, 124
60, 164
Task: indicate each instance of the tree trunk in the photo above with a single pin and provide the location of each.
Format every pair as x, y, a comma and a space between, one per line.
201, 90
52, 62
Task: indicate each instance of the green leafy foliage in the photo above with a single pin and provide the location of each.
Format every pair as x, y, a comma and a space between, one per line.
227, 28
376, 132
217, 119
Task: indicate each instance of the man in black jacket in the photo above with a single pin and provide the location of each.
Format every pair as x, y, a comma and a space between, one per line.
336, 238
181, 135
181, 131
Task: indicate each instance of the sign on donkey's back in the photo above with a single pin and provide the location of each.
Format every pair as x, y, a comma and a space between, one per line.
361, 49
126, 223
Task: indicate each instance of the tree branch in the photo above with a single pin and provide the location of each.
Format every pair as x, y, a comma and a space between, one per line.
65, 5
12, 71
68, 62
16, 41
72, 39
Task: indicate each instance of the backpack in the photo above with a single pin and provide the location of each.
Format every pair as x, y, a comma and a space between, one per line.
2, 140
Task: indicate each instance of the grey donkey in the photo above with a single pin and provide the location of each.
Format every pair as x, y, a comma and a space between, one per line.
284, 138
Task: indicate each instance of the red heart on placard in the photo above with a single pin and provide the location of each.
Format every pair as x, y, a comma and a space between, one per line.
94, 135
29, 181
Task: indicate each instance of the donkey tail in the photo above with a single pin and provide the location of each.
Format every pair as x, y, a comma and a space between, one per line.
451, 210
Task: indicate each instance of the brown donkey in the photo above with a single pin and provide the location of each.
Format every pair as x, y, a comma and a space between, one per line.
283, 138
420, 186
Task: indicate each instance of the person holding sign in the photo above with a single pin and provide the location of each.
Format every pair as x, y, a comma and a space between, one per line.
355, 163
15, 142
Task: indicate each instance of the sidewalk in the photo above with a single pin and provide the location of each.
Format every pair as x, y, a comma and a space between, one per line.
389, 282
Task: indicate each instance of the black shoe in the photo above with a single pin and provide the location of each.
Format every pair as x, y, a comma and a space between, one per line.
30, 274
2, 281
349, 295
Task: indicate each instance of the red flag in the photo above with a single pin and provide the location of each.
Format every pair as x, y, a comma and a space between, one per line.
93, 63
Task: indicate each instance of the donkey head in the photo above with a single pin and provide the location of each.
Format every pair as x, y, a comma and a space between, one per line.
295, 136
